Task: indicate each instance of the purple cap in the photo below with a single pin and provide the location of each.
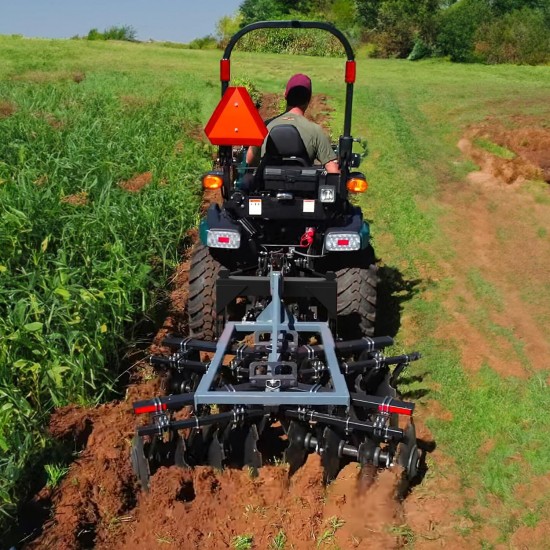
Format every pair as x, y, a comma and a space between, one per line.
298, 80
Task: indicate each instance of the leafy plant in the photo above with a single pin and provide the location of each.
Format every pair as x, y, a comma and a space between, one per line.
243, 542
279, 541
333, 524
55, 473
81, 258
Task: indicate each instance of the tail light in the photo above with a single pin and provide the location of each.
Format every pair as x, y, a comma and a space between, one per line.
212, 180
342, 242
223, 238
357, 185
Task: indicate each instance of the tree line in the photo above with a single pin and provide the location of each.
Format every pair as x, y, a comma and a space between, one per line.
490, 31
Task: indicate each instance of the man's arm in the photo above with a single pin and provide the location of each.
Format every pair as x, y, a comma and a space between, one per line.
253, 156
326, 154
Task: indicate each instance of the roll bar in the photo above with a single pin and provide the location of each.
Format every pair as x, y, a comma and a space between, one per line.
345, 144
225, 73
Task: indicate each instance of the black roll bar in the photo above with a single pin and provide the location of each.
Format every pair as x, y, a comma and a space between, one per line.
299, 25
346, 141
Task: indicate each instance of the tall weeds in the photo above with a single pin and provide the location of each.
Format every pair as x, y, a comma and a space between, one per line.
80, 256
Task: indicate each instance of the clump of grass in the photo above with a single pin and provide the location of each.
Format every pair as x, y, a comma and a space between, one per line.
55, 473
405, 533
242, 542
327, 536
494, 149
279, 541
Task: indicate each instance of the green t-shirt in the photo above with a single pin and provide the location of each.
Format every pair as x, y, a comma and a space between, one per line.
316, 141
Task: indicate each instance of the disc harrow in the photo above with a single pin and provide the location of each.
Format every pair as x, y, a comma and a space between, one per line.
335, 398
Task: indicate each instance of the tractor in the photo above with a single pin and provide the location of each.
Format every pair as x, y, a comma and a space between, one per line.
281, 355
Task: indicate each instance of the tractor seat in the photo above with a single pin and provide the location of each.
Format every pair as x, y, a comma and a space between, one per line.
284, 146
284, 161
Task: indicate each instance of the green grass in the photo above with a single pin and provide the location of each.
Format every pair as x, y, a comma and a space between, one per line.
495, 149
412, 114
242, 542
279, 541
327, 537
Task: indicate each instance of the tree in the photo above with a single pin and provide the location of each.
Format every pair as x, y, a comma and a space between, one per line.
226, 27
261, 10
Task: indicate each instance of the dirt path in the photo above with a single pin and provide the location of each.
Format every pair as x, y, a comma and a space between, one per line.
497, 227
500, 233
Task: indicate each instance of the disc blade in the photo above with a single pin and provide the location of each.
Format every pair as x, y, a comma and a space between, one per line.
140, 464
409, 455
197, 446
180, 452
295, 454
216, 451
252, 457
329, 457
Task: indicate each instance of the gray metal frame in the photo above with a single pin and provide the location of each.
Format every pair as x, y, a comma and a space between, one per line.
277, 320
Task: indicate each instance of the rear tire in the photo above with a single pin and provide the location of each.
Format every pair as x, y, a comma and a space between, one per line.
356, 301
202, 294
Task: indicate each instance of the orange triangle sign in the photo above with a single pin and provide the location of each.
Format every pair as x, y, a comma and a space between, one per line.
236, 120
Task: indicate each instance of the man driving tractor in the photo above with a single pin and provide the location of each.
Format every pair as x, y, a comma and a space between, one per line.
317, 143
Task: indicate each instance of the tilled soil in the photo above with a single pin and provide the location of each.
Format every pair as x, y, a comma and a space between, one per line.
100, 505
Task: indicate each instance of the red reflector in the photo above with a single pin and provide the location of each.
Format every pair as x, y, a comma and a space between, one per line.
394, 409
343, 242
236, 120
149, 409
350, 72
224, 240
225, 70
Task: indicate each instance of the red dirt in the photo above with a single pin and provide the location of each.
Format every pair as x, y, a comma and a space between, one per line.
318, 111
78, 199
7, 109
531, 146
136, 183
99, 503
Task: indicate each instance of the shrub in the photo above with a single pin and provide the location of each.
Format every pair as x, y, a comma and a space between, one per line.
207, 42
124, 32
521, 36
398, 23
458, 26
306, 42
420, 50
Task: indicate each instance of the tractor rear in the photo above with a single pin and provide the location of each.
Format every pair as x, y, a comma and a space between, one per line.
281, 359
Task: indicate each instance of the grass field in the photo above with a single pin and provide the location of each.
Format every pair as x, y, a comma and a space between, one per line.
74, 277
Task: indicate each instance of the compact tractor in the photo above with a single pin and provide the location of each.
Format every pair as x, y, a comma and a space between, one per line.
281, 355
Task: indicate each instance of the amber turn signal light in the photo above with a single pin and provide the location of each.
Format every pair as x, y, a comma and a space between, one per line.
357, 185
212, 181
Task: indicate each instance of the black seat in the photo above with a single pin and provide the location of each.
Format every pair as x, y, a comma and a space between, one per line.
284, 146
